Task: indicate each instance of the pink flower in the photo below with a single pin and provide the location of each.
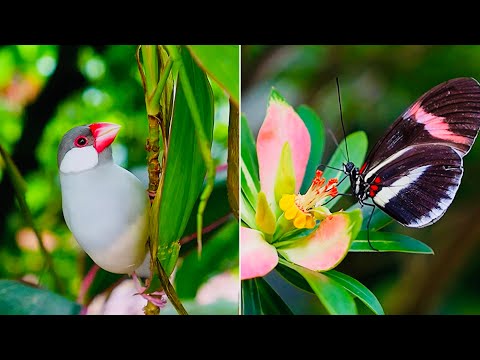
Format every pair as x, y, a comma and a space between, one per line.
276, 211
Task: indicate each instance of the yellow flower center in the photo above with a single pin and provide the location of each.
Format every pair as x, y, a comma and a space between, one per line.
299, 208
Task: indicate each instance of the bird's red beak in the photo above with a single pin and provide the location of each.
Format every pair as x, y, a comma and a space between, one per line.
104, 133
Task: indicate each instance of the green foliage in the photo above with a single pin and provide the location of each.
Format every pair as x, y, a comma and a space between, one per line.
316, 130
384, 241
336, 299
21, 299
222, 64
259, 298
184, 161
357, 289
249, 178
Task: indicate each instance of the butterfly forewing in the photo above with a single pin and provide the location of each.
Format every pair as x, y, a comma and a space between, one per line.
417, 187
448, 114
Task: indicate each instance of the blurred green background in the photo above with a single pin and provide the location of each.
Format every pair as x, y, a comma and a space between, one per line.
45, 90
377, 84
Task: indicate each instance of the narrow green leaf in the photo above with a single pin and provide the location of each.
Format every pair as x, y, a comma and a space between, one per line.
271, 303
293, 277
247, 185
250, 298
222, 64
358, 143
249, 179
356, 288
219, 253
185, 168
333, 296
17, 298
248, 152
247, 213
385, 241
316, 130
168, 256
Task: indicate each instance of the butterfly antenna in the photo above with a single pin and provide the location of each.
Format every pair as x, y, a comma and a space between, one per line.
341, 119
336, 142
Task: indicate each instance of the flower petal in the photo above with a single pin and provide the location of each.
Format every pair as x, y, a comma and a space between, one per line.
264, 217
282, 124
257, 257
285, 179
328, 245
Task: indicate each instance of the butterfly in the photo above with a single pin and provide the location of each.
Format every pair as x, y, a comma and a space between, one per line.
414, 171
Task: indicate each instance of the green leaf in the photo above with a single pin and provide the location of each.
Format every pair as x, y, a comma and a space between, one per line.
357, 289
385, 241
185, 168
250, 298
249, 151
247, 214
250, 183
222, 64
293, 277
333, 296
271, 302
249, 179
219, 253
17, 298
259, 298
316, 130
379, 219
356, 141
168, 256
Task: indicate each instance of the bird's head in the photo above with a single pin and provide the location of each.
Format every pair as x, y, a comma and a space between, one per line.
87, 146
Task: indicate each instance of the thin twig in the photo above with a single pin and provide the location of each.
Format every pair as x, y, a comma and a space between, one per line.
17, 179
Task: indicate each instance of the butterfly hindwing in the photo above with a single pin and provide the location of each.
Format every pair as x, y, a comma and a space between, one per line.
416, 185
448, 114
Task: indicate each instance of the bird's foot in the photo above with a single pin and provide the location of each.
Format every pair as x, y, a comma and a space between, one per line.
157, 298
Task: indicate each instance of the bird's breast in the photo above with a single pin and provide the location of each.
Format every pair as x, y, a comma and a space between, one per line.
106, 209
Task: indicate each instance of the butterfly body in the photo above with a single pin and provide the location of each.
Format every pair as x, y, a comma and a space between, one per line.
414, 171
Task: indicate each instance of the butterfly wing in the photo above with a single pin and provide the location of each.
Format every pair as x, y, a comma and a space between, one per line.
448, 114
416, 185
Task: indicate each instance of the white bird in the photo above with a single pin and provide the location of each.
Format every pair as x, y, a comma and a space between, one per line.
104, 205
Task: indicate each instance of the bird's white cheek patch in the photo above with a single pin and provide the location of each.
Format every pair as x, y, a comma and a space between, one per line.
79, 159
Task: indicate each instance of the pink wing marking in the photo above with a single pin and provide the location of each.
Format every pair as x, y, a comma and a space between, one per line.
435, 125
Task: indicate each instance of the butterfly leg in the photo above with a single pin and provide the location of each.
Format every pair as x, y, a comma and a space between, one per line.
368, 224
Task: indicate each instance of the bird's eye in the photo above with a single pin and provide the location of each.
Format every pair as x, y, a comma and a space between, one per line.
81, 141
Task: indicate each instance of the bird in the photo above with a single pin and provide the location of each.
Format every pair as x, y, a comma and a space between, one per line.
104, 205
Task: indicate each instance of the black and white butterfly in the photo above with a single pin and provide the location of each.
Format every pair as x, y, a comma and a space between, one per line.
413, 172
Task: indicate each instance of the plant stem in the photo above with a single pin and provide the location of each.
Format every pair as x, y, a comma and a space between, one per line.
17, 181
154, 81
233, 159
169, 289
